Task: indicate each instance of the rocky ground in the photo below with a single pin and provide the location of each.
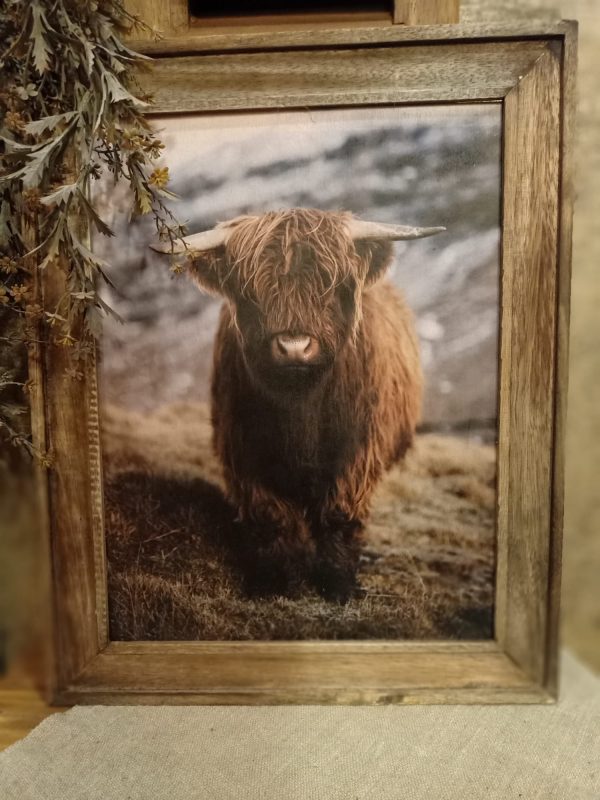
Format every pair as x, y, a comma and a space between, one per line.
427, 567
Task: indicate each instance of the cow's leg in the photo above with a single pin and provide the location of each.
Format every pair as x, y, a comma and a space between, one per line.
339, 539
339, 529
277, 550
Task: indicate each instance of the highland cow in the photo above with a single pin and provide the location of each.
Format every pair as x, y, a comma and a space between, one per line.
316, 387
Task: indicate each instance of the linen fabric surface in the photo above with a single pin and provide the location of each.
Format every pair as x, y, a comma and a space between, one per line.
318, 753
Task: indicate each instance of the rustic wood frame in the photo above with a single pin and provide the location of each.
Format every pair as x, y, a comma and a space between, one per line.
530, 72
173, 19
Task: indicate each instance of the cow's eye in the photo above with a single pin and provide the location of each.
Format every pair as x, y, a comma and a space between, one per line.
346, 298
247, 311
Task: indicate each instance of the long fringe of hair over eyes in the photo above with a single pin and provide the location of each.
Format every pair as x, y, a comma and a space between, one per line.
269, 251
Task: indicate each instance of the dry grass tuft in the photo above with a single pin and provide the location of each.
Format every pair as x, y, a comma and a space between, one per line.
427, 568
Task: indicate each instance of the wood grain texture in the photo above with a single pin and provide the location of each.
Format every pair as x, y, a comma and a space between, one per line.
426, 12
526, 695
180, 32
165, 17
202, 39
73, 567
529, 77
528, 348
97, 504
309, 673
338, 77
41, 645
266, 648
22, 707
563, 307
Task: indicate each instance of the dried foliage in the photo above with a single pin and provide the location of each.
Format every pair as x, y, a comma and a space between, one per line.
70, 111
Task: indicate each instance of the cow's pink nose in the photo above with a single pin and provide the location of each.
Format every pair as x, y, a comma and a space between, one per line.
288, 349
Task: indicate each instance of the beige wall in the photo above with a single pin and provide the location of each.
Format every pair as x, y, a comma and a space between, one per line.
581, 576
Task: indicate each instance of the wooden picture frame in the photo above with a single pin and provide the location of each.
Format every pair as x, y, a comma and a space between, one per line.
176, 21
529, 71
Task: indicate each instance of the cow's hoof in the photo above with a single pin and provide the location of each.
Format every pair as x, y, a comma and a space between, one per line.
266, 583
337, 586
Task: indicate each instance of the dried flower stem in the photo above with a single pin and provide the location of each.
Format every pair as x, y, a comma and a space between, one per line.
68, 97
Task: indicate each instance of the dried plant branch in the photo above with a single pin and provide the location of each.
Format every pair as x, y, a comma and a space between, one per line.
70, 111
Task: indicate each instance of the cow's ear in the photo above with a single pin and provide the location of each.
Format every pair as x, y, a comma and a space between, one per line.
208, 269
376, 255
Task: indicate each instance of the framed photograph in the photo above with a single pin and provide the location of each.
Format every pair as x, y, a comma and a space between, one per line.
319, 458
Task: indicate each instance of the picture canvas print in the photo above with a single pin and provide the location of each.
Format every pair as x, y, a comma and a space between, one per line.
299, 410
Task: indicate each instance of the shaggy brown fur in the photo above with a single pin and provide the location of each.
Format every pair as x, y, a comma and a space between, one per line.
303, 448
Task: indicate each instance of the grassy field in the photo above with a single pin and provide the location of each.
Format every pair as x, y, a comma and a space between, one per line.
426, 570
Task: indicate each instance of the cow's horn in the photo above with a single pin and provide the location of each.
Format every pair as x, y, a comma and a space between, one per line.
361, 229
196, 242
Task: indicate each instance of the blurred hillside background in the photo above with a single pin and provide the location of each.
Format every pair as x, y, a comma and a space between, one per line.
436, 166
